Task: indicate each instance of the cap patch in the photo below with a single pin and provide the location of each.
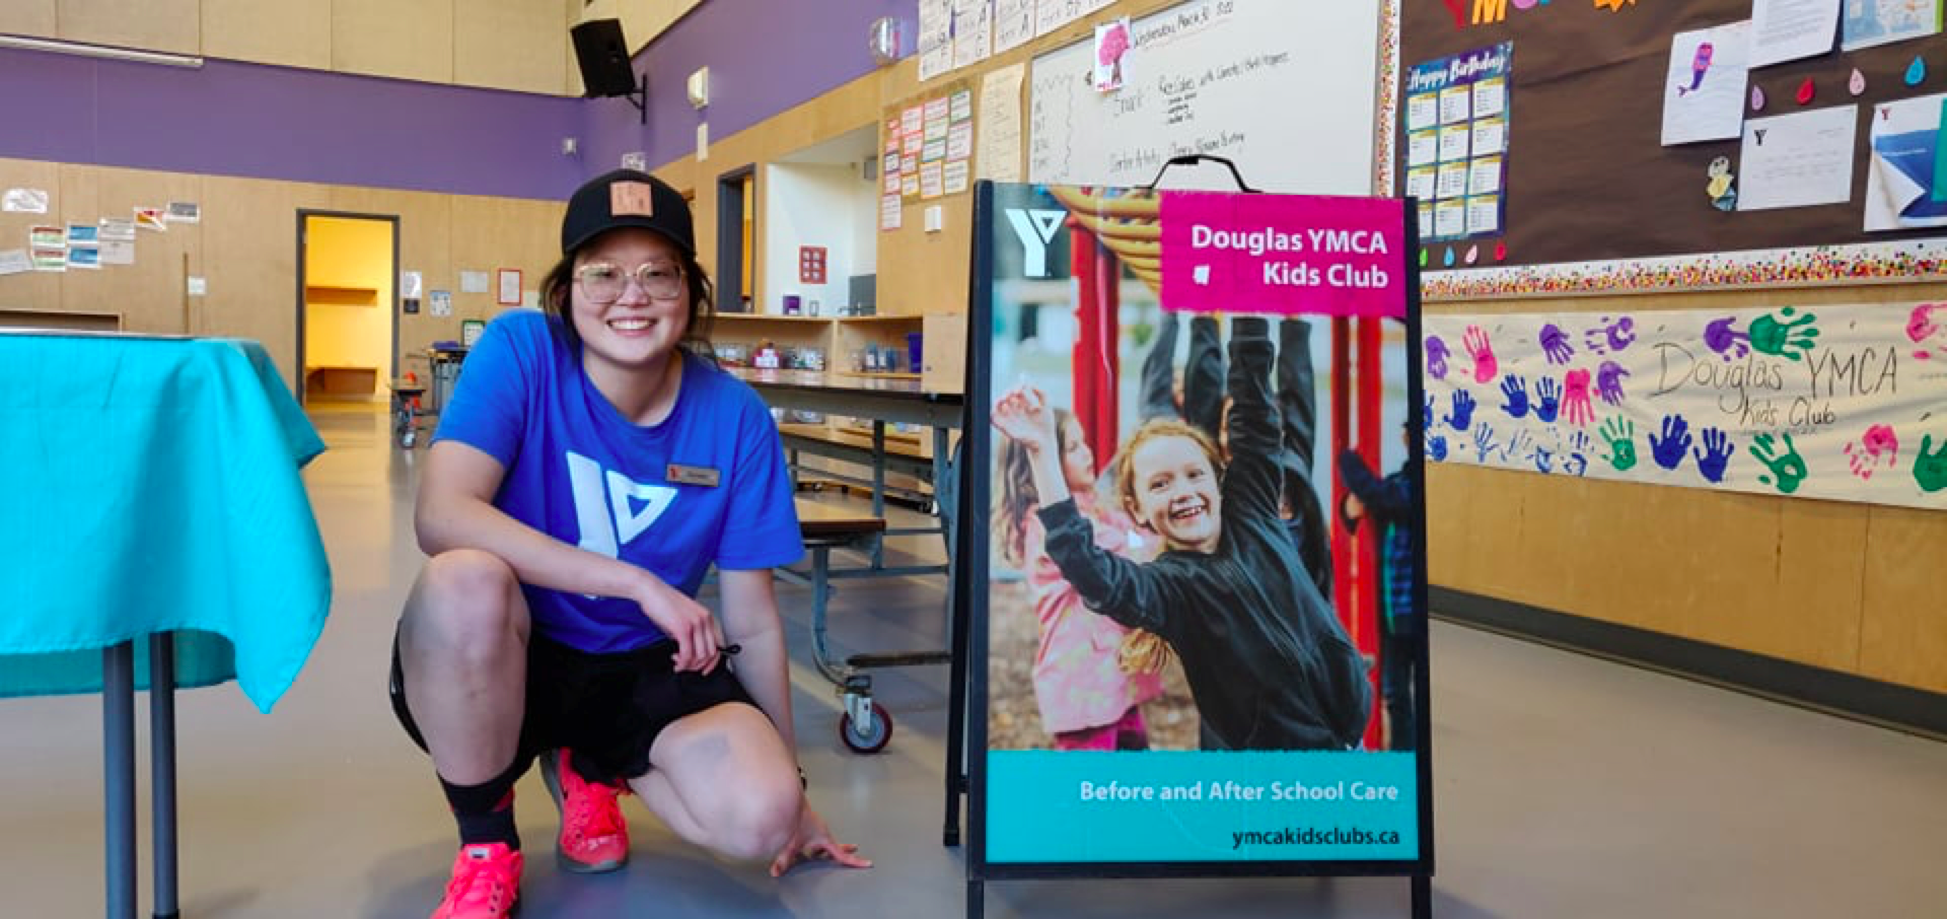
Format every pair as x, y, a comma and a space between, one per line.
631, 199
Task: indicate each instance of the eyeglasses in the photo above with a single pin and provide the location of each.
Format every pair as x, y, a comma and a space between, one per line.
604, 283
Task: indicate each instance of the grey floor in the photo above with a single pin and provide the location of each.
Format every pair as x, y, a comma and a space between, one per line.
1565, 786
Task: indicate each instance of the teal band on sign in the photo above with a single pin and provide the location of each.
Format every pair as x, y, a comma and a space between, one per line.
1200, 806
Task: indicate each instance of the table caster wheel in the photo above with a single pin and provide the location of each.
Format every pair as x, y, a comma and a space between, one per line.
876, 733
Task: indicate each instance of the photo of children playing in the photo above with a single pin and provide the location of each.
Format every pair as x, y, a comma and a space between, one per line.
1171, 588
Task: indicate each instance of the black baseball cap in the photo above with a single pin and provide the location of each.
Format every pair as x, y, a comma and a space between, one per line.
627, 198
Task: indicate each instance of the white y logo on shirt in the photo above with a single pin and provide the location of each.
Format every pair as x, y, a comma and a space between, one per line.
600, 493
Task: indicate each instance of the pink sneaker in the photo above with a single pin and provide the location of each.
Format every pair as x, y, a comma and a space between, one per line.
594, 838
486, 882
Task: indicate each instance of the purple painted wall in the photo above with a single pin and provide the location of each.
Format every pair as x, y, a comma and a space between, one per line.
260, 121
765, 56
268, 122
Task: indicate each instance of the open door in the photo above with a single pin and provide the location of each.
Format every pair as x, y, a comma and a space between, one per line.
347, 306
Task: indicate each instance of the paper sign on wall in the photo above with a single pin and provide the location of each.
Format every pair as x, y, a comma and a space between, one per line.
24, 201
1703, 90
1797, 160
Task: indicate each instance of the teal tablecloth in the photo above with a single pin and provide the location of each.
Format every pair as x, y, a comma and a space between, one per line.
151, 485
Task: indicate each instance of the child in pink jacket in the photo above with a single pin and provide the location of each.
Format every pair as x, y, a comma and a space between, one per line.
1091, 673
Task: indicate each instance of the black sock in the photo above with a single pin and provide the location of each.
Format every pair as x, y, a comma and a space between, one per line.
485, 812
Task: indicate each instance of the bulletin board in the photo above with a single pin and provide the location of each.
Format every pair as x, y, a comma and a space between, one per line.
1588, 181
926, 148
1285, 90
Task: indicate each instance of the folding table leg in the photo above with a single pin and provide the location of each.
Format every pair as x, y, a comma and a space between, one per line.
162, 756
118, 768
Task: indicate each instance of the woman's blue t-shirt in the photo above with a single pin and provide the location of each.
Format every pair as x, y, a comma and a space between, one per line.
580, 472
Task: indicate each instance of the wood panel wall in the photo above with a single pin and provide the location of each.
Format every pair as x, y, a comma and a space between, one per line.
290, 33
1846, 587
245, 248
521, 46
157, 25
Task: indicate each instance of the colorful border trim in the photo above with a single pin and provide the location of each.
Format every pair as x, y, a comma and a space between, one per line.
1387, 125
1906, 261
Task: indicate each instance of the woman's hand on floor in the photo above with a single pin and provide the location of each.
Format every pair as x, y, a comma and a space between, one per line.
814, 842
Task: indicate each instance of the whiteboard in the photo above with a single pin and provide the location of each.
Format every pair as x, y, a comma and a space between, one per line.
1286, 90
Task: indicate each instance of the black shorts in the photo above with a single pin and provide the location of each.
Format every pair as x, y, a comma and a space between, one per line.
608, 708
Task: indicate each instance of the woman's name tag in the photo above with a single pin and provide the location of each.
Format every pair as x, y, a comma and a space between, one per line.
693, 475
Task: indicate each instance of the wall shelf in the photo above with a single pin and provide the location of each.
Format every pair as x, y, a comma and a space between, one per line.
340, 296
770, 317
915, 318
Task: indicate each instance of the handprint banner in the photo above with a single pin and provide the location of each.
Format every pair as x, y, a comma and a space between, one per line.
1843, 403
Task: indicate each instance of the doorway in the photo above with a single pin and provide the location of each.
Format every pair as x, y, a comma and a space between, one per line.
736, 240
347, 306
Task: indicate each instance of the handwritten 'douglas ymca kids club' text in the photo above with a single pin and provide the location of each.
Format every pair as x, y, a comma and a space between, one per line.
1846, 403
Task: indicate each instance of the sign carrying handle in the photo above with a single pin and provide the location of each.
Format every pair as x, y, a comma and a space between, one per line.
1191, 159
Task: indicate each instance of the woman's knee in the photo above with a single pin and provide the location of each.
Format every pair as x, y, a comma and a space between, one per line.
758, 821
465, 597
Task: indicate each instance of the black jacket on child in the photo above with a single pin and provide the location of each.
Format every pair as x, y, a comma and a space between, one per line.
1266, 659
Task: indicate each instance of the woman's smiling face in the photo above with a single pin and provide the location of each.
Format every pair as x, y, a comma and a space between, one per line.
634, 329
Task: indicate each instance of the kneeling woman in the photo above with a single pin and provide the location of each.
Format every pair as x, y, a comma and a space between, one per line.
587, 472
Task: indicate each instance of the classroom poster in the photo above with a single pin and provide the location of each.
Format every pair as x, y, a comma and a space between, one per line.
1163, 673
1904, 173
1703, 92
1798, 159
1456, 123
1787, 30
935, 38
1846, 403
1879, 22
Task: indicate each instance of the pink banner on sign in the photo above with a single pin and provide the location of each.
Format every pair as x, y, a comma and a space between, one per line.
1283, 254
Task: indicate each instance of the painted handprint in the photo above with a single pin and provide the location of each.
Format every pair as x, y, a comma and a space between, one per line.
1610, 336
1436, 357
1516, 391
1543, 458
1670, 449
1548, 400
1577, 461
1864, 458
1789, 339
1436, 448
1486, 366
1722, 336
1788, 466
1920, 326
1621, 436
1554, 344
1517, 446
1715, 454
1483, 441
1426, 415
1608, 382
1463, 410
1930, 469
1575, 400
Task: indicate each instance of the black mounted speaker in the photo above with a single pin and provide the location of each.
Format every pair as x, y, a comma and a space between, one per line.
604, 59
